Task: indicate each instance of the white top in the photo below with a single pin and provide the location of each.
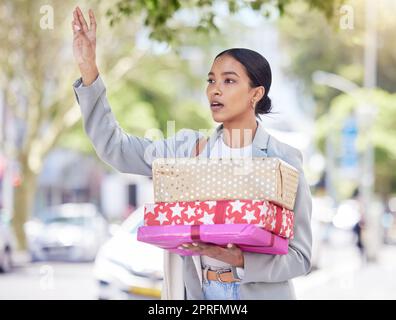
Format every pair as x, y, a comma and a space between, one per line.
221, 150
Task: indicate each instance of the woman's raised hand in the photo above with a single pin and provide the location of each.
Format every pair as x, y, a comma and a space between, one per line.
84, 45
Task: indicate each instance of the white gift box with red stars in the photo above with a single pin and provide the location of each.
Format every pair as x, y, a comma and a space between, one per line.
262, 213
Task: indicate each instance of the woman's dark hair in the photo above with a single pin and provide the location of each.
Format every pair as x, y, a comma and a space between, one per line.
258, 71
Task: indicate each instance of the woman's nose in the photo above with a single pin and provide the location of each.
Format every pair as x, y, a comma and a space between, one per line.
215, 91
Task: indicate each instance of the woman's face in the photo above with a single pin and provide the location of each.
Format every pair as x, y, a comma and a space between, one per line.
228, 84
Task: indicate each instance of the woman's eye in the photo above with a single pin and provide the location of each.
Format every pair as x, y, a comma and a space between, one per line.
226, 81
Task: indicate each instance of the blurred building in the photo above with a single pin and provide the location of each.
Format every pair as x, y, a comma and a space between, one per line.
69, 176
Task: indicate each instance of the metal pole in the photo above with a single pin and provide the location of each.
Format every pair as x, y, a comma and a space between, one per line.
330, 169
370, 48
367, 182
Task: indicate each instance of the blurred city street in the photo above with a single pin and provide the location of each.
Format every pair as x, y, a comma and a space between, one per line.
343, 276
81, 192
48, 281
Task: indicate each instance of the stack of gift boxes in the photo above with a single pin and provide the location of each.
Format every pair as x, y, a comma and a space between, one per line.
248, 202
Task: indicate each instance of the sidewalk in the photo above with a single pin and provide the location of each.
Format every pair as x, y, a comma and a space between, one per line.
342, 276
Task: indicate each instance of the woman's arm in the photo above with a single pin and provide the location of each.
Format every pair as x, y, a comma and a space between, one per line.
124, 152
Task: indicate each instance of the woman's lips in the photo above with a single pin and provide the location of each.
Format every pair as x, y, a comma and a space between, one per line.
216, 107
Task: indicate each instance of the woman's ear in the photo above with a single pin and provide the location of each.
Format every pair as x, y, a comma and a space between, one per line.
260, 91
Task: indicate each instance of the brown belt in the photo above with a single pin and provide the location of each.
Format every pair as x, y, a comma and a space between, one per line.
221, 276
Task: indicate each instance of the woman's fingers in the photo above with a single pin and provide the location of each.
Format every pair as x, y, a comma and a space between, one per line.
231, 254
190, 246
198, 247
75, 27
92, 20
75, 17
81, 18
76, 22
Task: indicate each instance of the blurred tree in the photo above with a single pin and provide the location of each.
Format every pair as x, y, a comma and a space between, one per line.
312, 44
165, 18
382, 134
35, 82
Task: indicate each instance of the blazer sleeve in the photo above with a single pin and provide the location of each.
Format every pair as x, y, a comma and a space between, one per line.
297, 262
124, 152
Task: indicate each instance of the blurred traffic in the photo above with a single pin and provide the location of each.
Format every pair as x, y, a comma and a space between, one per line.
68, 232
127, 268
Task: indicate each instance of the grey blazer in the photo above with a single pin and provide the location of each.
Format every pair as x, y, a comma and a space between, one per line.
265, 276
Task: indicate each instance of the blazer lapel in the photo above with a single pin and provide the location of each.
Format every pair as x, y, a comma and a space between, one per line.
260, 141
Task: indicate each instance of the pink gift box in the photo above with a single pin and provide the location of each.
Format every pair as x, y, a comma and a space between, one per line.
247, 237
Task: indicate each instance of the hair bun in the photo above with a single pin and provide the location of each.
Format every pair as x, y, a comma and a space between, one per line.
264, 106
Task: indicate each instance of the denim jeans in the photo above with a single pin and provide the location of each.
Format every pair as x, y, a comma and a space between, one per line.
216, 290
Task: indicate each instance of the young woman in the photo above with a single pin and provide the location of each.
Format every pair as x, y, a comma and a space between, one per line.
238, 84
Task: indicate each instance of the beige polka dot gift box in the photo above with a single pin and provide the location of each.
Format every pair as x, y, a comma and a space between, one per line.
202, 179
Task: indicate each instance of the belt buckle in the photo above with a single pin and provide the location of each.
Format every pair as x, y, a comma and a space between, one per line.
219, 272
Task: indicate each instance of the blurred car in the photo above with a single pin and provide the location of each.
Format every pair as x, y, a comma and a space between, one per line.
126, 268
6, 244
67, 232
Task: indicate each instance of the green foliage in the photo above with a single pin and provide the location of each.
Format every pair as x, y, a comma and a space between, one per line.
76, 139
313, 43
382, 133
159, 15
